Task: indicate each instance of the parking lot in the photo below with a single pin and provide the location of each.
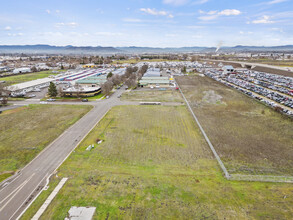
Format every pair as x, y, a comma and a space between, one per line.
273, 90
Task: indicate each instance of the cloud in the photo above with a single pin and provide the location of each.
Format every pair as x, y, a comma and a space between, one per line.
212, 15
228, 12
7, 28
70, 24
264, 20
133, 20
175, 2
15, 35
200, 2
156, 12
276, 2
48, 11
108, 34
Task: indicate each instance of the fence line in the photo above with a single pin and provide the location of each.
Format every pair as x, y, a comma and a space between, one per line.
236, 177
225, 171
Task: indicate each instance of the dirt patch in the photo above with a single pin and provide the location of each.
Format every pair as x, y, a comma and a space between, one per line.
212, 97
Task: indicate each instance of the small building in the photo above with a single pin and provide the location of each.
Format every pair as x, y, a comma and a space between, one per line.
22, 70
228, 69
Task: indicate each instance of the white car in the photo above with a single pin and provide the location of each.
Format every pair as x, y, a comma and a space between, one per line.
43, 102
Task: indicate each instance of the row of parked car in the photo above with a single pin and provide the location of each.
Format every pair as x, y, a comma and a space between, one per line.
252, 89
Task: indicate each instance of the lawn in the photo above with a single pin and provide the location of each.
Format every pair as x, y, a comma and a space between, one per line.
154, 164
25, 131
153, 95
250, 137
27, 77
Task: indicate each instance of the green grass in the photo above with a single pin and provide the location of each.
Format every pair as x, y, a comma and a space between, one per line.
11, 80
250, 137
92, 98
153, 95
25, 131
155, 164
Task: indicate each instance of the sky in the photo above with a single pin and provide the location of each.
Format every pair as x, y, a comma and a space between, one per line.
151, 23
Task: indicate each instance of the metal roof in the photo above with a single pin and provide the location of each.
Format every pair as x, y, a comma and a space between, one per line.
29, 84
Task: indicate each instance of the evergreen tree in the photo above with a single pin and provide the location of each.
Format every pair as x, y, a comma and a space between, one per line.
52, 91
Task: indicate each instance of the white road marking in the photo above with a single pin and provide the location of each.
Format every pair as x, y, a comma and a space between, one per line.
15, 192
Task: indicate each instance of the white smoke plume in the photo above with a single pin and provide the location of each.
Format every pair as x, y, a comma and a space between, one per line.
219, 46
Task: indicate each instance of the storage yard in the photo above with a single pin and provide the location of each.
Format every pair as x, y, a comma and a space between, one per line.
273, 90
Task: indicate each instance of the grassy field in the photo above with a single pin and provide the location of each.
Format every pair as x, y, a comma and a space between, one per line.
249, 137
154, 164
11, 80
25, 131
153, 95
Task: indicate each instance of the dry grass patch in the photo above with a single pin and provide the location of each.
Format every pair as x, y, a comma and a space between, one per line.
249, 137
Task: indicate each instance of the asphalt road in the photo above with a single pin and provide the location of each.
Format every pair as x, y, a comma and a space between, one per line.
19, 191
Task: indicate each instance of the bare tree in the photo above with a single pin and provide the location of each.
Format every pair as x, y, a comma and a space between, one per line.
4, 93
107, 87
116, 79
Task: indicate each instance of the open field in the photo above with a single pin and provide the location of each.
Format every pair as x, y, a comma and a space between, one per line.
11, 80
154, 164
25, 131
153, 96
250, 137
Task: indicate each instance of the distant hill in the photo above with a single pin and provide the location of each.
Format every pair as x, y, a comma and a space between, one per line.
48, 49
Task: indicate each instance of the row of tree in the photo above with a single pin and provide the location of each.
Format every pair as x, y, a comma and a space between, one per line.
131, 76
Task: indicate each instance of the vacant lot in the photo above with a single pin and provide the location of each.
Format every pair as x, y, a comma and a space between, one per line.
249, 137
154, 164
25, 131
153, 96
27, 77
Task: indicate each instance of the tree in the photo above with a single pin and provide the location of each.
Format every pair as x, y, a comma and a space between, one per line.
109, 75
116, 79
34, 69
3, 94
107, 87
52, 91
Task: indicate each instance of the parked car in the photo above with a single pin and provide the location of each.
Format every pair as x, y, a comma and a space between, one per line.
51, 100
31, 95
85, 100
43, 102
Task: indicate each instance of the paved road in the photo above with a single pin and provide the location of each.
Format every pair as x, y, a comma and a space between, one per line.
17, 193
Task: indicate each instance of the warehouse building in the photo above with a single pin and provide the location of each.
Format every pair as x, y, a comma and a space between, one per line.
22, 70
154, 82
92, 81
25, 87
90, 65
